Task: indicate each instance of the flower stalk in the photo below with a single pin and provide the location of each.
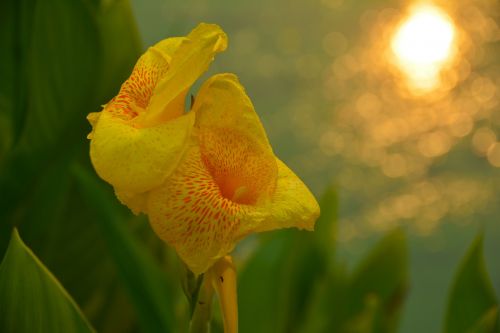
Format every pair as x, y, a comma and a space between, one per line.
223, 278
202, 314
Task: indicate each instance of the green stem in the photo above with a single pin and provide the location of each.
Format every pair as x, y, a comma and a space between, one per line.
200, 321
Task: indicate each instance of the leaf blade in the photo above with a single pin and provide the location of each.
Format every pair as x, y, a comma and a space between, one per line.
144, 281
472, 297
31, 298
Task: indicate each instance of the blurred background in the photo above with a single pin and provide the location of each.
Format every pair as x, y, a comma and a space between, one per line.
390, 106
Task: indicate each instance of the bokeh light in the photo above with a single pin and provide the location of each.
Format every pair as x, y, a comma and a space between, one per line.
423, 43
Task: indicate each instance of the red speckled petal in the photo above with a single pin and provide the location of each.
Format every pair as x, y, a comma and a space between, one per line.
190, 214
136, 160
228, 184
136, 92
233, 143
135, 152
292, 205
223, 103
190, 60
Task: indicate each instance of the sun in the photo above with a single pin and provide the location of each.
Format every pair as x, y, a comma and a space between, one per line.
423, 43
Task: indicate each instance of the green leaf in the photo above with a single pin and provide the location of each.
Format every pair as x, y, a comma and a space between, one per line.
472, 304
278, 282
120, 47
382, 276
325, 231
16, 19
60, 70
63, 60
31, 298
143, 279
487, 323
46, 87
260, 285
370, 300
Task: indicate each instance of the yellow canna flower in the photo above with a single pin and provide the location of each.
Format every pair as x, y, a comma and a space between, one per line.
205, 178
141, 134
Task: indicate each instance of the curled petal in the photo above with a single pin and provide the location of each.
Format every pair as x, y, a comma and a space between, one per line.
190, 59
233, 144
291, 205
136, 160
135, 93
223, 103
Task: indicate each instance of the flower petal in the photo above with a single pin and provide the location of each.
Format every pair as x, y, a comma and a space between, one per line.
229, 166
223, 103
188, 62
131, 156
190, 214
291, 205
135, 93
228, 184
135, 160
233, 143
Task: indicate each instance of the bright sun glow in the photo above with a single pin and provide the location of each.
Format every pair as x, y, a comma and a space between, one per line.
423, 43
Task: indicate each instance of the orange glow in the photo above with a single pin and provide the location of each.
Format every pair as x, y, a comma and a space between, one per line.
423, 44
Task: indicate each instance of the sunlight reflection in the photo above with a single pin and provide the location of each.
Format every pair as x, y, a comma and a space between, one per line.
423, 44
411, 115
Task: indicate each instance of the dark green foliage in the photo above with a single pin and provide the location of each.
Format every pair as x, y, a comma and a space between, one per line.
380, 283
473, 306
31, 298
370, 299
278, 281
144, 281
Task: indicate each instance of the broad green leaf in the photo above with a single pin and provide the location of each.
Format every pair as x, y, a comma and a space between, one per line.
31, 298
326, 306
278, 282
382, 277
120, 47
46, 86
143, 279
15, 32
487, 323
56, 216
61, 69
370, 299
49, 217
63, 60
78, 48
310, 258
472, 304
325, 230
260, 285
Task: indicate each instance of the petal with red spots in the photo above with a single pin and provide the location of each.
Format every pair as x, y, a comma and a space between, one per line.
291, 205
136, 160
189, 213
140, 136
233, 143
135, 93
191, 58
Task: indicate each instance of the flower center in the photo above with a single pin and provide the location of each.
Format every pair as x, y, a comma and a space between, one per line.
243, 171
233, 190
